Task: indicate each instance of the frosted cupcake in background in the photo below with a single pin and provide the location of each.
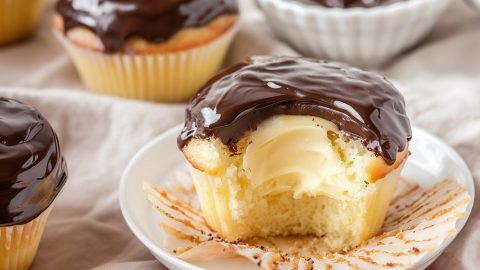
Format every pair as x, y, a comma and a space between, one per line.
32, 174
150, 50
18, 19
361, 32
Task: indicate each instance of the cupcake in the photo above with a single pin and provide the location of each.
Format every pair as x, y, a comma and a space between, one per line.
149, 50
33, 173
361, 32
282, 146
18, 19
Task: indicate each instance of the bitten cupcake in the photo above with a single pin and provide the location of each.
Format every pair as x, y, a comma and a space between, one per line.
361, 32
18, 18
283, 146
142, 49
32, 174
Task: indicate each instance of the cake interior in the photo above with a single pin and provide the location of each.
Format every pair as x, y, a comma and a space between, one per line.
294, 175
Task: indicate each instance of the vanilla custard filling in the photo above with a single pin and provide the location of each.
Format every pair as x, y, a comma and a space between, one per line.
306, 155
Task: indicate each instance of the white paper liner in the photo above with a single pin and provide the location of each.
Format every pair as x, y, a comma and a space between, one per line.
361, 36
19, 243
165, 77
417, 223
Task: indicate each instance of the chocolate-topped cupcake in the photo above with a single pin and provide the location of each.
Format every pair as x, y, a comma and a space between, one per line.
153, 50
360, 32
33, 173
296, 146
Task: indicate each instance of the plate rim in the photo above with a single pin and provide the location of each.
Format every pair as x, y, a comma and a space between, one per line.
126, 214
165, 255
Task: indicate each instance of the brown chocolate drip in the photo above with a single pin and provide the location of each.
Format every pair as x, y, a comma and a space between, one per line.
362, 104
114, 21
32, 168
349, 3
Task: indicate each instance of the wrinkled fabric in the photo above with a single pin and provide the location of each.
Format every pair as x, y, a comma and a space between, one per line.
99, 134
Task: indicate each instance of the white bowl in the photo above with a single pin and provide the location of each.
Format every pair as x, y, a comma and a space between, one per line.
359, 36
431, 161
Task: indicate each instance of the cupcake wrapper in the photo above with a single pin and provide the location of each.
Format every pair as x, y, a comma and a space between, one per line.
18, 18
170, 77
362, 36
19, 243
420, 222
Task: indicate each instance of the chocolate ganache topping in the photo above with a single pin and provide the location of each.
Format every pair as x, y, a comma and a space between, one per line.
349, 3
364, 105
32, 168
114, 21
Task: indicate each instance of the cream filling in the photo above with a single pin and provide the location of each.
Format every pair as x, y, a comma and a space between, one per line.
307, 156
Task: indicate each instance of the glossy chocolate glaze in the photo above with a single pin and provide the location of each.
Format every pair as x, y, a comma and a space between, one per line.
32, 168
364, 105
114, 21
349, 3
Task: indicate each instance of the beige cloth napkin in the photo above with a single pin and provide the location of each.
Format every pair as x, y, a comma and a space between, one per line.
440, 80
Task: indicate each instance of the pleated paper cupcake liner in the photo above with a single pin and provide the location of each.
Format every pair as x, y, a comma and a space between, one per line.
215, 196
18, 18
418, 222
359, 36
170, 77
19, 243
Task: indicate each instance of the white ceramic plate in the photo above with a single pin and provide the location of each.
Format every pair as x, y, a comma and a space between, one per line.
431, 161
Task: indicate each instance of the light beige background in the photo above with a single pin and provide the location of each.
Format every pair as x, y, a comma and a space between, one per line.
440, 79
